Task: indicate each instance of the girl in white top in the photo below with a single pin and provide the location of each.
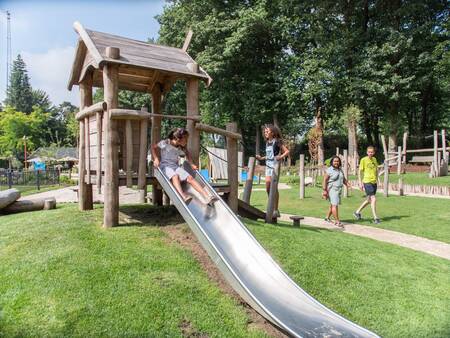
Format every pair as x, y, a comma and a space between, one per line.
166, 155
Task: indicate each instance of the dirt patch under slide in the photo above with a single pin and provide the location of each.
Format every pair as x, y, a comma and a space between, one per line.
182, 235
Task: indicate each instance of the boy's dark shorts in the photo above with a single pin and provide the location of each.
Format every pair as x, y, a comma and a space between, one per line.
370, 189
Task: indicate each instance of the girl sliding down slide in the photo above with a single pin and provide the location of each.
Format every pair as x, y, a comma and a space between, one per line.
166, 155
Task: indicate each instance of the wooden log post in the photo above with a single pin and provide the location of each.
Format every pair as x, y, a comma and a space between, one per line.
345, 164
85, 191
232, 167
302, 176
8, 196
111, 186
99, 117
399, 160
337, 151
435, 166
88, 149
405, 140
444, 171
385, 149
400, 186
193, 110
142, 170
355, 163
30, 205
249, 182
386, 179
129, 153
157, 195
273, 194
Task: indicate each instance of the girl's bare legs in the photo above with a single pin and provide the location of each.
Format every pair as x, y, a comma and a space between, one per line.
268, 182
335, 212
197, 186
177, 184
329, 212
373, 205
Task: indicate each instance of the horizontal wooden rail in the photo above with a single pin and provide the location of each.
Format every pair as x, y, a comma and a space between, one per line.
91, 110
130, 114
425, 150
210, 129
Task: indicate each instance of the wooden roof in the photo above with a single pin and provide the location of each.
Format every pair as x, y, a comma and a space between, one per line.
141, 64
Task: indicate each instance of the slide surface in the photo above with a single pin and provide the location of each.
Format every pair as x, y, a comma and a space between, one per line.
252, 272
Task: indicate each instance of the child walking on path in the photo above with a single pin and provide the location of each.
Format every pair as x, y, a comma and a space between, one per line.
333, 181
275, 152
166, 155
368, 174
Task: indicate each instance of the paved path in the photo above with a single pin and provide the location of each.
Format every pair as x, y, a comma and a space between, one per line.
432, 247
429, 246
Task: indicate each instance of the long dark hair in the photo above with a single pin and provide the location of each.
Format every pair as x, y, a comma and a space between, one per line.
177, 134
333, 158
276, 132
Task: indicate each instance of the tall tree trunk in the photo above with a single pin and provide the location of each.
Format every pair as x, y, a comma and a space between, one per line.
276, 123
258, 141
319, 126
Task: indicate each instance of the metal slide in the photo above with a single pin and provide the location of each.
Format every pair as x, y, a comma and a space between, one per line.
251, 271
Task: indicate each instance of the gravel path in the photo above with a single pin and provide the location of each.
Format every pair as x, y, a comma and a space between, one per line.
432, 247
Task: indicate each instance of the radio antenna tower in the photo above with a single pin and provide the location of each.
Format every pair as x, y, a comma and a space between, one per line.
8, 48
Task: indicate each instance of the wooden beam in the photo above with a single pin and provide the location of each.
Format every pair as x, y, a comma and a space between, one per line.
129, 153
91, 110
88, 147
142, 170
85, 189
345, 165
219, 131
111, 186
157, 195
187, 40
77, 63
232, 167
302, 176
89, 43
99, 117
130, 114
249, 182
192, 109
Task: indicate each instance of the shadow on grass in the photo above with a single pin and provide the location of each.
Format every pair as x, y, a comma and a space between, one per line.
149, 215
368, 221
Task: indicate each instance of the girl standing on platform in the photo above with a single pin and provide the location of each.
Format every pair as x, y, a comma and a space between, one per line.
166, 155
275, 152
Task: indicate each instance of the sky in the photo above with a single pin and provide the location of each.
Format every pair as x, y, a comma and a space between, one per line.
42, 33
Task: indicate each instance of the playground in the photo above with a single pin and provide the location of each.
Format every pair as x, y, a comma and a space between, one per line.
176, 227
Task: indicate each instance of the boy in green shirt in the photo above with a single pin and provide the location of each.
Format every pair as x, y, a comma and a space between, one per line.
368, 174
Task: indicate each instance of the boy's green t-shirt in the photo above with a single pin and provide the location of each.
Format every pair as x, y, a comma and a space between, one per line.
369, 168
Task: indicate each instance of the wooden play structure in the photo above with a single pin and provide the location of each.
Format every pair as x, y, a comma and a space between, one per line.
114, 140
437, 157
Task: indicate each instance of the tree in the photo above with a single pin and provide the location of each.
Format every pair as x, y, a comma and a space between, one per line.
19, 94
41, 99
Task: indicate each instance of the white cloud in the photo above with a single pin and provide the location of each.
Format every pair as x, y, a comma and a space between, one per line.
50, 72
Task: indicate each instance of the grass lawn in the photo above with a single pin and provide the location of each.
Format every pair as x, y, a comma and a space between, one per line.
62, 275
393, 291
65, 276
421, 216
26, 190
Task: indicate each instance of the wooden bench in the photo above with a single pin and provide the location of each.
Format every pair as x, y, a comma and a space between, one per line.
296, 220
421, 159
